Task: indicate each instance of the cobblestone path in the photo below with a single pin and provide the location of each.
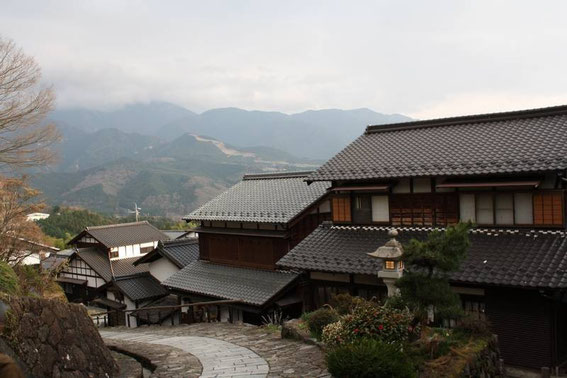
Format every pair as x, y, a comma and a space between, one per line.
265, 351
219, 358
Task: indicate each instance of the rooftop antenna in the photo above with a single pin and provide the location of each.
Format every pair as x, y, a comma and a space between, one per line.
135, 211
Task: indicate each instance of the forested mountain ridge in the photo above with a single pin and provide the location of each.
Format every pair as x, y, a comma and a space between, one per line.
170, 160
313, 134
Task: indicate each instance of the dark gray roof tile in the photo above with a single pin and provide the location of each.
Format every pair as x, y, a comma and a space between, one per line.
116, 235
181, 252
270, 198
520, 258
512, 142
140, 287
252, 286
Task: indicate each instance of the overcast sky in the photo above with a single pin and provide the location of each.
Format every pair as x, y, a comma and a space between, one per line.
419, 58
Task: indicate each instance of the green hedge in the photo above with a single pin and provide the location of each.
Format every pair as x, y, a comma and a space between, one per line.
317, 320
369, 358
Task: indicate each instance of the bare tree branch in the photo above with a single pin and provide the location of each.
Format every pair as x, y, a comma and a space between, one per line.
25, 139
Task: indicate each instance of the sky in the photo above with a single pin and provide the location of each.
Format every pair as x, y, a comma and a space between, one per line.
424, 59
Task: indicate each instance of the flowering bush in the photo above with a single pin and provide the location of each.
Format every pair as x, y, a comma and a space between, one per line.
370, 320
334, 334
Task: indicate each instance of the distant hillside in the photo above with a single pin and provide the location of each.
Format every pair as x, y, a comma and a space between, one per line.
312, 134
170, 160
108, 170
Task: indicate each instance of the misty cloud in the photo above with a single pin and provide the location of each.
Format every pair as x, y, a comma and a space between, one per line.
423, 59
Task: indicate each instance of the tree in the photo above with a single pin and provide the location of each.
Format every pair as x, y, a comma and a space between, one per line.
425, 284
25, 139
19, 237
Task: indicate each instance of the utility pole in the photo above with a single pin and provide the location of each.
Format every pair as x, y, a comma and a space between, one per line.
135, 211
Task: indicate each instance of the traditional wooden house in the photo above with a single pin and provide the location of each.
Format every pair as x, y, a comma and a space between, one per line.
242, 233
505, 172
101, 268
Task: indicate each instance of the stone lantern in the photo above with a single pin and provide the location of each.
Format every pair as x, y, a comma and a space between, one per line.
392, 265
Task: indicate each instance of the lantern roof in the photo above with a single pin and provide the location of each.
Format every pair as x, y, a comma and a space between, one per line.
393, 249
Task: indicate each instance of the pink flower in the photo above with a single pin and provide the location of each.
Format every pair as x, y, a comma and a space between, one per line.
380, 327
356, 330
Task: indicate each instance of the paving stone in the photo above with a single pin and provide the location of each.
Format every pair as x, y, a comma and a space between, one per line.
236, 346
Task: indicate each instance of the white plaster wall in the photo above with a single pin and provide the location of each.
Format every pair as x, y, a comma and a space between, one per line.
162, 269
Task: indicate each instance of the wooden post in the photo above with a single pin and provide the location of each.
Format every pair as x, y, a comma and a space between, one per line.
128, 317
172, 316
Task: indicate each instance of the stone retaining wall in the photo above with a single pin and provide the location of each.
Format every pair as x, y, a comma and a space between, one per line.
57, 339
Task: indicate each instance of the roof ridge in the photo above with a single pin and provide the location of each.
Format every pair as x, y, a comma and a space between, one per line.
116, 225
467, 119
488, 231
180, 241
276, 175
244, 267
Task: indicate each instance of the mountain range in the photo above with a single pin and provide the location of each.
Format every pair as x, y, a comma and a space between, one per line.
170, 160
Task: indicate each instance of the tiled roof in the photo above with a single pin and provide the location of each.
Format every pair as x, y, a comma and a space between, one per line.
252, 286
126, 267
99, 262
140, 287
181, 252
511, 142
269, 198
116, 235
520, 258
155, 316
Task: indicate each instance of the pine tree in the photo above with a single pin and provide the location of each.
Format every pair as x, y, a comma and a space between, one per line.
429, 263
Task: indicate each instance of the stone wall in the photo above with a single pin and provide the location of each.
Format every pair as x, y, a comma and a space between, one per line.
57, 339
486, 363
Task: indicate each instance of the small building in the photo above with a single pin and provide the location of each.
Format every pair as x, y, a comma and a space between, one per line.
104, 254
505, 172
242, 233
37, 216
170, 256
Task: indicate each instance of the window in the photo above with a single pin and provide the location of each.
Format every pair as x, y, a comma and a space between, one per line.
484, 209
380, 209
146, 249
504, 208
523, 209
113, 254
467, 208
426, 209
390, 264
548, 208
341, 209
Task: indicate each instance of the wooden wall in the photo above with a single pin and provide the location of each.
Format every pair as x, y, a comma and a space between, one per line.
247, 251
305, 226
522, 319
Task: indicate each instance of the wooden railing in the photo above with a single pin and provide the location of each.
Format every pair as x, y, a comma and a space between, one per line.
104, 316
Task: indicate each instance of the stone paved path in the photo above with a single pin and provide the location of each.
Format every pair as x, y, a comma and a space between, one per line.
219, 358
281, 358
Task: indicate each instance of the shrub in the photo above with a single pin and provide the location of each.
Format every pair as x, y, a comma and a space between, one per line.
319, 319
334, 334
9, 283
473, 326
369, 358
345, 303
384, 323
